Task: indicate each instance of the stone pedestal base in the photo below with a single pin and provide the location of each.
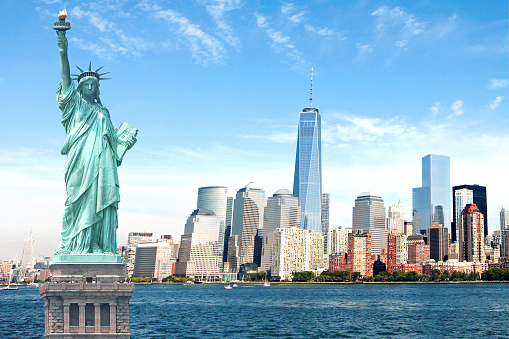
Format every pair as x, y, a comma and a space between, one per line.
87, 300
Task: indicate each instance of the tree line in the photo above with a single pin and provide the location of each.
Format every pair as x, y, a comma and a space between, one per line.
492, 274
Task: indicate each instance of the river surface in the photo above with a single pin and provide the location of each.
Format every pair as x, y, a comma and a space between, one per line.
293, 311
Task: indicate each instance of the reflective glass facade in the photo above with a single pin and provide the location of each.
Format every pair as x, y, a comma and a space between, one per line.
432, 202
307, 183
215, 198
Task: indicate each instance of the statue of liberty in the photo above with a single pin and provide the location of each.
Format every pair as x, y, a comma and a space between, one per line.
94, 149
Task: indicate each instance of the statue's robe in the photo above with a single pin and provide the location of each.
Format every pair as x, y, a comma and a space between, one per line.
90, 217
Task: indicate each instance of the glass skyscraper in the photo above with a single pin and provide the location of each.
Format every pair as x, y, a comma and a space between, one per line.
215, 198
307, 182
432, 202
477, 196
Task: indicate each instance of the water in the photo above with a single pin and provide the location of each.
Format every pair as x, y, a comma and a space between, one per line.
293, 311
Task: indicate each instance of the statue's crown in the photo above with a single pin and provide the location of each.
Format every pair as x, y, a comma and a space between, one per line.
89, 73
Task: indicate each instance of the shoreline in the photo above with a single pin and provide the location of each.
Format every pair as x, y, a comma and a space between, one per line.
329, 282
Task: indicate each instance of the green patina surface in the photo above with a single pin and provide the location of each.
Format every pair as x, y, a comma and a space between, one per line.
86, 258
90, 222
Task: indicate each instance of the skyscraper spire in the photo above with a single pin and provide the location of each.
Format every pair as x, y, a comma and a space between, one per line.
311, 91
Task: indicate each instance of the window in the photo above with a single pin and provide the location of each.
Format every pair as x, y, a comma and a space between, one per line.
89, 315
74, 315
105, 314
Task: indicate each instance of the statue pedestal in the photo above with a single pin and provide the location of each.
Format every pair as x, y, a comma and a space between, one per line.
86, 300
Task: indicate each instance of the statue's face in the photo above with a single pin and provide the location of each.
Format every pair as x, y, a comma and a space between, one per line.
89, 87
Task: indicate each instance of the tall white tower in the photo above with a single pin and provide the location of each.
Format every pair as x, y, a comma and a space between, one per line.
28, 253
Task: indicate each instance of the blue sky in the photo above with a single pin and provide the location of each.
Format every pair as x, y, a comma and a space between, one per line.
215, 89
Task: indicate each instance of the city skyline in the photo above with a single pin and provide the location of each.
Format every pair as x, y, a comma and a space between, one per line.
394, 82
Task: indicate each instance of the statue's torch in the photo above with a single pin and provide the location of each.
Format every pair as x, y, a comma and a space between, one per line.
61, 25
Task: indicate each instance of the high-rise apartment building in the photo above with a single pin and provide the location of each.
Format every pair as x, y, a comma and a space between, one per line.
307, 182
396, 217
432, 202
199, 245
359, 257
282, 211
438, 240
397, 251
338, 240
418, 250
369, 217
325, 220
468, 194
215, 198
248, 213
296, 250
28, 253
471, 235
504, 234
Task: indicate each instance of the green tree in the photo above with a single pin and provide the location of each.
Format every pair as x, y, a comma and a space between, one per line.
435, 274
446, 275
356, 275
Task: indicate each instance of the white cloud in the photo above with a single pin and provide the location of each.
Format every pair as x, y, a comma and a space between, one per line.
282, 42
435, 109
401, 43
456, 108
292, 13
396, 17
498, 83
205, 48
494, 105
325, 32
217, 10
364, 49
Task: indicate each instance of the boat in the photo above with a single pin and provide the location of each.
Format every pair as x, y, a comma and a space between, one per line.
266, 283
235, 285
33, 285
9, 287
229, 286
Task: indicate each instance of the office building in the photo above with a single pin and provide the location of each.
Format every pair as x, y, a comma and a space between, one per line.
471, 235
325, 220
133, 240
359, 256
307, 182
296, 250
396, 218
153, 261
432, 202
199, 246
369, 217
282, 211
504, 219
28, 253
438, 240
461, 197
338, 240
215, 198
248, 212
468, 194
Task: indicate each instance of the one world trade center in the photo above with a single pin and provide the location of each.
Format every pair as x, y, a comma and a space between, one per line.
307, 183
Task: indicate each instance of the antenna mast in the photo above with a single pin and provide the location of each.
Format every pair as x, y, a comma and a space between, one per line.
311, 91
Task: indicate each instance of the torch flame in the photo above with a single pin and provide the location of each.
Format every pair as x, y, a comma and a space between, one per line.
62, 15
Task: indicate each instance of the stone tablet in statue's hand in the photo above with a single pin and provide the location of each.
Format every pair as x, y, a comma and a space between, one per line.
131, 142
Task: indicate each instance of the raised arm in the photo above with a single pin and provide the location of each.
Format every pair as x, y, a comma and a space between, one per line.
65, 71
